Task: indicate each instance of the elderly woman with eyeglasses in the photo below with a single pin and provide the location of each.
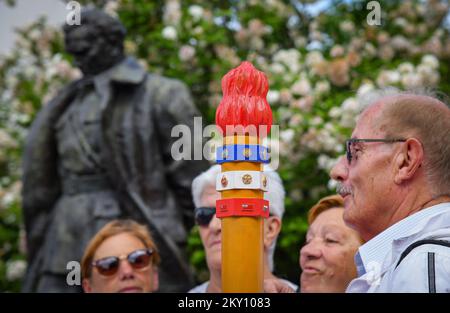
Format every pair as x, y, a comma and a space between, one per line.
121, 257
205, 196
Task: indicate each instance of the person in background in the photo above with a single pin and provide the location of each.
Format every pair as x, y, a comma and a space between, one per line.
326, 259
121, 257
205, 196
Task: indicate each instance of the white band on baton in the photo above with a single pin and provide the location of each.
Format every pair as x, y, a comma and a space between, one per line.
241, 180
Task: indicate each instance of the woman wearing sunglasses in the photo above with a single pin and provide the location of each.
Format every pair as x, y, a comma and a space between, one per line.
205, 196
121, 257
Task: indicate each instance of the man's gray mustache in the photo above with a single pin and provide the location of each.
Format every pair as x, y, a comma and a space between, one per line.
343, 190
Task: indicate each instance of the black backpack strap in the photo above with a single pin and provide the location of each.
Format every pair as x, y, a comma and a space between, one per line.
431, 263
431, 273
420, 243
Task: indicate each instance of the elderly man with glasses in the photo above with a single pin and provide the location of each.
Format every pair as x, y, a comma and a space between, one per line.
205, 196
395, 182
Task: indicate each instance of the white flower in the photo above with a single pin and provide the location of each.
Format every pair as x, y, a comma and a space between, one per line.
294, 67
400, 43
322, 161
386, 52
386, 78
111, 8
327, 140
287, 57
315, 121
256, 27
186, 53
332, 184
256, 43
406, 67
347, 120
172, 12
273, 96
316, 36
285, 95
301, 87
431, 61
277, 68
347, 26
411, 80
364, 89
329, 127
350, 105
295, 120
198, 30
30, 71
314, 57
287, 135
337, 51
300, 41
196, 12
169, 32
6, 140
322, 87
370, 49
428, 76
34, 34
421, 9
335, 112
15, 270
11, 81
304, 103
400, 21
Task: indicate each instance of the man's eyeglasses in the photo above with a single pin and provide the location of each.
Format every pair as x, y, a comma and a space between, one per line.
138, 259
349, 145
203, 215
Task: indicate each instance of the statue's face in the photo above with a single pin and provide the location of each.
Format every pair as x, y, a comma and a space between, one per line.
92, 54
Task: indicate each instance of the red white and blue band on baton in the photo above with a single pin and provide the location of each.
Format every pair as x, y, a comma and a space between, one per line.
242, 153
242, 207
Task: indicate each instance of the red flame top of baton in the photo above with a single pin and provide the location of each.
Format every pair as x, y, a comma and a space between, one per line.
244, 101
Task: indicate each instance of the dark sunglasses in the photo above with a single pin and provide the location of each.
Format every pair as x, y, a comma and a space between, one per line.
349, 145
138, 259
203, 215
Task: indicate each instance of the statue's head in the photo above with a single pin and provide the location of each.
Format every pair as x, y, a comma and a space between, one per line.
97, 43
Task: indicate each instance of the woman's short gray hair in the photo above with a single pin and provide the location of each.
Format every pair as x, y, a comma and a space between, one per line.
275, 195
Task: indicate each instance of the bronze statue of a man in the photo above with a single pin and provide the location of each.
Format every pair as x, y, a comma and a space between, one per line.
100, 150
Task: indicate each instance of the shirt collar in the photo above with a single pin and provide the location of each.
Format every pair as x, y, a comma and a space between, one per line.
375, 250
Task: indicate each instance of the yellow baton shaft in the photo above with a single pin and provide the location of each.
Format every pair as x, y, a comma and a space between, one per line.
242, 237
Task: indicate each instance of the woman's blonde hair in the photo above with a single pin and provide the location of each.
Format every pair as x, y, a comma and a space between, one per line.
113, 228
326, 203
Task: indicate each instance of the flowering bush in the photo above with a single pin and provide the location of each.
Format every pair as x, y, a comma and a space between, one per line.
320, 68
